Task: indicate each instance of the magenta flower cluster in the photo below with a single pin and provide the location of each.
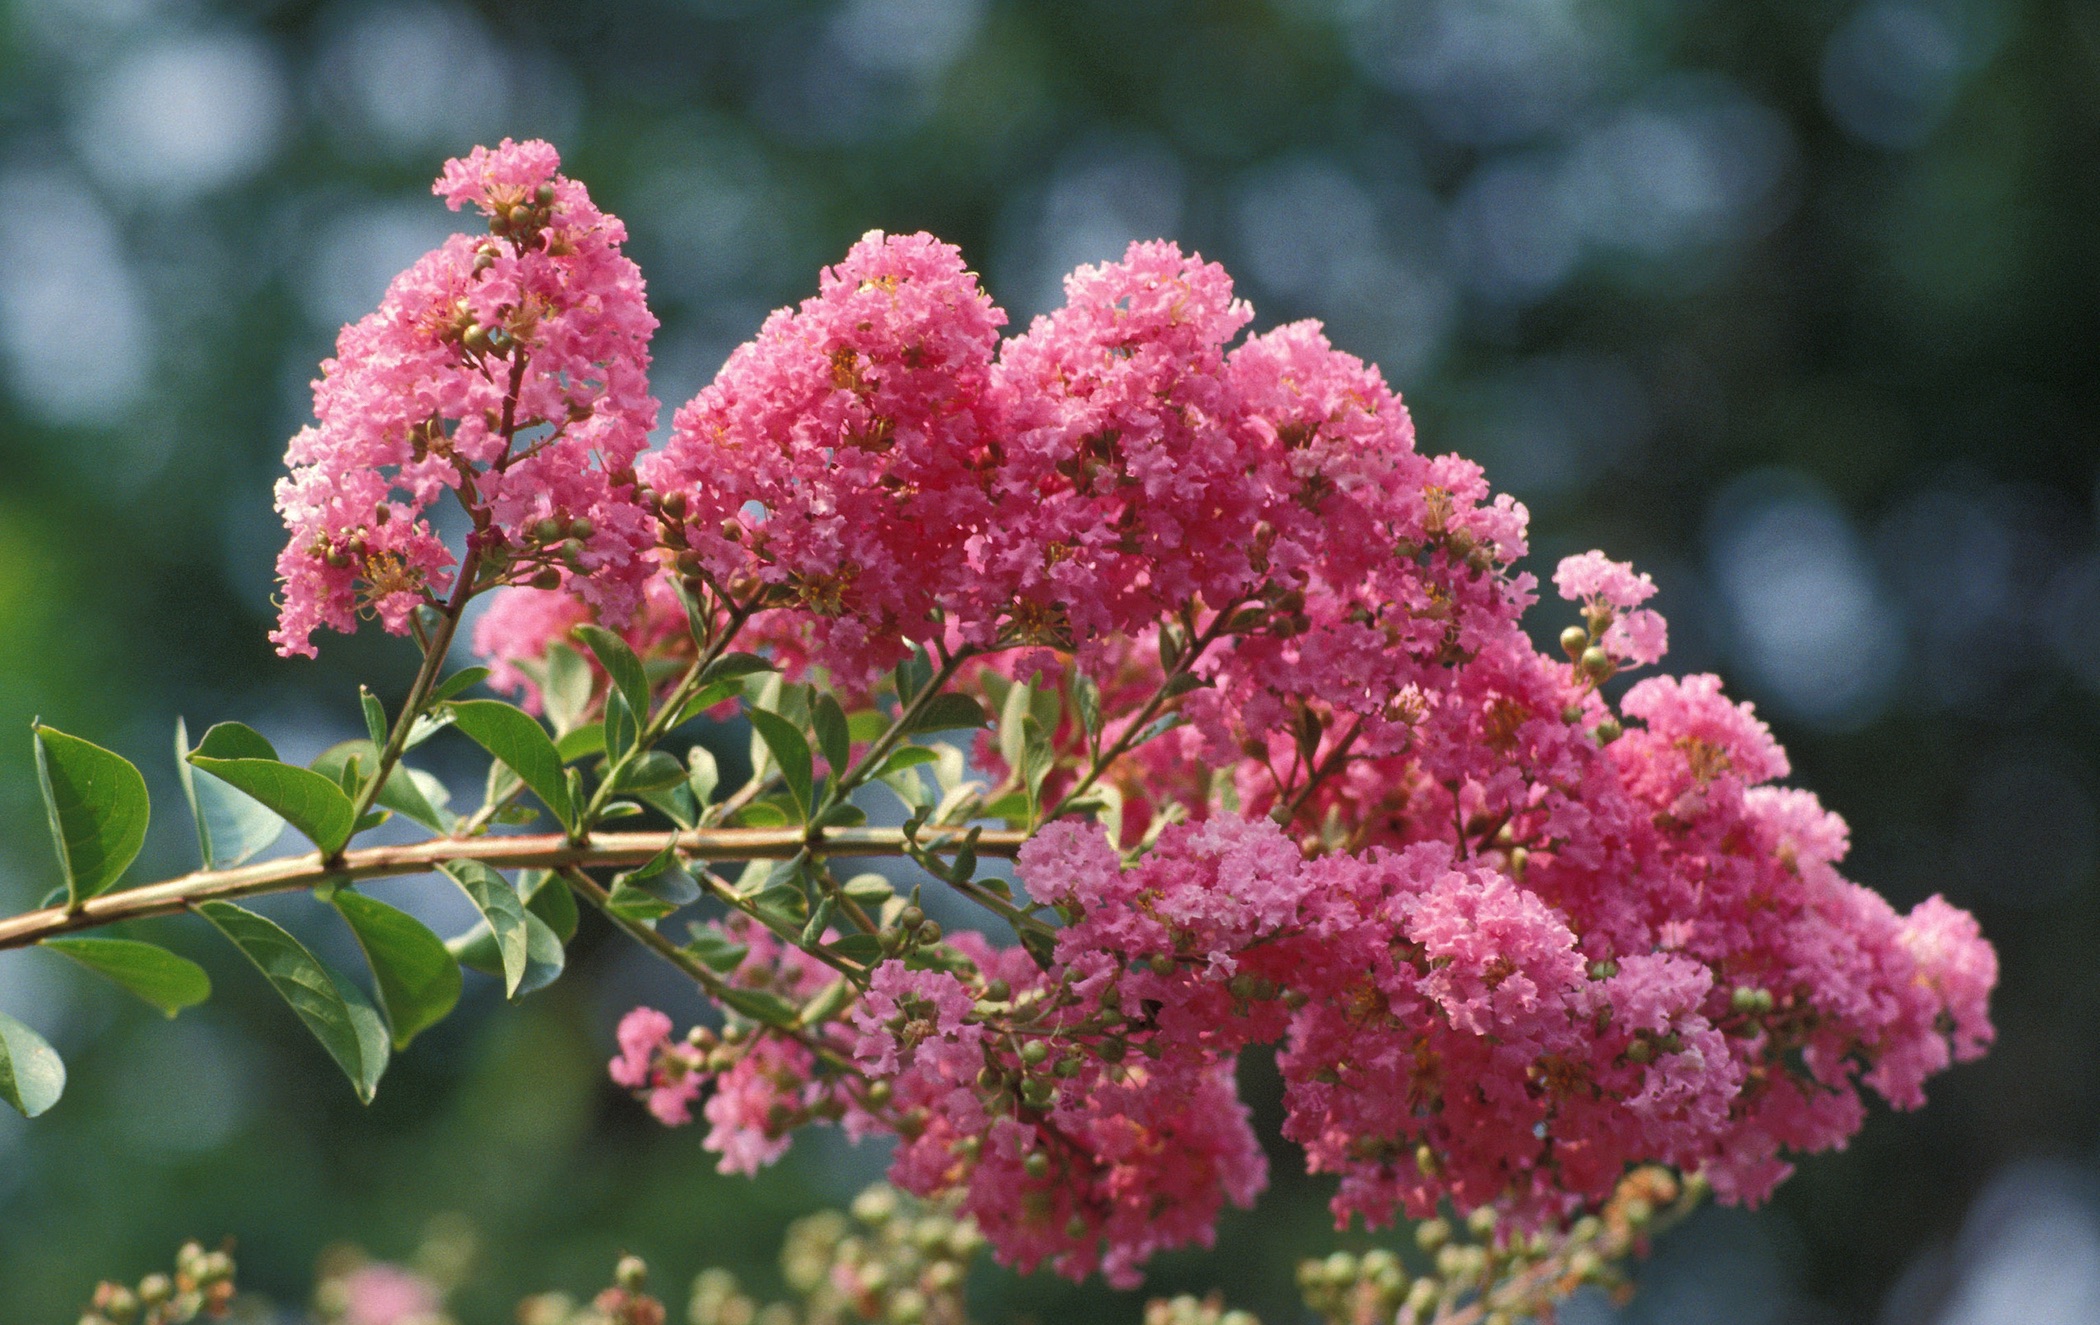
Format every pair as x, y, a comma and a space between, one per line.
509, 368
1509, 937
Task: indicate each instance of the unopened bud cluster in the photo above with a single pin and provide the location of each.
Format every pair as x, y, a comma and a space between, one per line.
1480, 1270
894, 1260
202, 1287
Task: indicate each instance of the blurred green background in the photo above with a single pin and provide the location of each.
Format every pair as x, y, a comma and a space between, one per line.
1792, 303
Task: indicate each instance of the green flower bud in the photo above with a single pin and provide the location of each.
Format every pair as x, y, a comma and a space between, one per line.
1609, 730
1431, 1234
1574, 640
632, 1273
1034, 1053
1596, 663
1037, 1165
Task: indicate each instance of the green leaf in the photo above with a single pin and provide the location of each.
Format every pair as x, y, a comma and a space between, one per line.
948, 712
913, 675
418, 980
620, 664
565, 683
1086, 698
702, 774
522, 745
547, 897
790, 752
862, 948
98, 809
716, 950
32, 1075
544, 956
654, 771
761, 1005
1013, 714
408, 791
1037, 759
375, 716
235, 740
731, 666
834, 739
581, 743
337, 1013
168, 982
311, 802
232, 826
903, 757
631, 903
459, 681
675, 803
503, 911
621, 727
424, 727
704, 699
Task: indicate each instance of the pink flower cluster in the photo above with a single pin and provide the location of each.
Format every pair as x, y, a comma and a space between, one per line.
510, 369
1511, 939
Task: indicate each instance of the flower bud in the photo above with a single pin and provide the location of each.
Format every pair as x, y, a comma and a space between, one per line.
581, 527
1596, 663
1431, 1234
1609, 730
1573, 641
631, 1273
547, 578
1037, 1165
998, 991
1034, 1053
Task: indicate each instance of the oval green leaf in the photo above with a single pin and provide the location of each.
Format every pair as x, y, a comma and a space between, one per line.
619, 662
232, 826
168, 982
504, 913
418, 981
948, 712
97, 806
790, 753
32, 1075
521, 745
335, 1010
307, 800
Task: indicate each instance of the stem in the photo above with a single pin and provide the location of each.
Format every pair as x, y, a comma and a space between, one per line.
546, 851
434, 650
879, 749
1127, 741
1326, 768
692, 967
654, 726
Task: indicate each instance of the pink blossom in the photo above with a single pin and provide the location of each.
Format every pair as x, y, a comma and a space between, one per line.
834, 461
1592, 576
378, 1293
509, 370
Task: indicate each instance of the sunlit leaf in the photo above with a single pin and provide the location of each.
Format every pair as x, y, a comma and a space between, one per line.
161, 978
97, 805
336, 1011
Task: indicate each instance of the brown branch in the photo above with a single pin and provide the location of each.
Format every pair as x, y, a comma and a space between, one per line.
545, 851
